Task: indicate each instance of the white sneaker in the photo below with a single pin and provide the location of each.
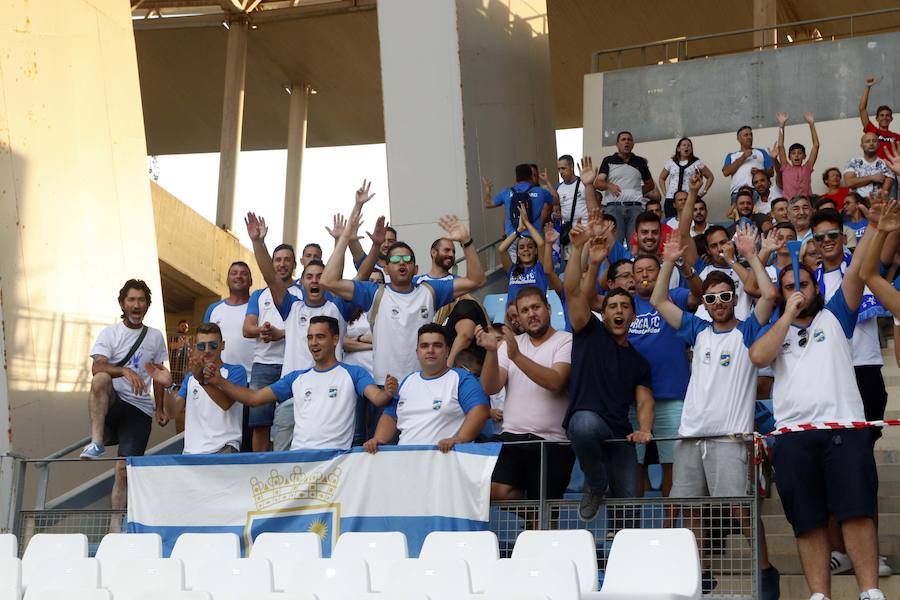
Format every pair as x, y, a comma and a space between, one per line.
884, 569
840, 563
818, 596
873, 594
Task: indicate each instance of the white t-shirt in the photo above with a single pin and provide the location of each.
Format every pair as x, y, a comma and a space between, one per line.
673, 223
262, 305
758, 159
429, 410
396, 322
324, 404
860, 167
865, 345
208, 428
815, 382
742, 308
361, 358
672, 181
230, 319
530, 408
296, 314
566, 192
114, 342
721, 395
764, 208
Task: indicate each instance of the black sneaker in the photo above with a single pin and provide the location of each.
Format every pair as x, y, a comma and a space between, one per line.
770, 582
590, 503
708, 582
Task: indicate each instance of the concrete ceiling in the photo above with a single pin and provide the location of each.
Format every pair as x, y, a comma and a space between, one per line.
333, 46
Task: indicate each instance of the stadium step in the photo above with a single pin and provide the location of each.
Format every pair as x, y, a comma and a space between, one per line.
843, 587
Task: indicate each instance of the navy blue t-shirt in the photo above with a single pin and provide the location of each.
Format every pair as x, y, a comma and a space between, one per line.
539, 197
660, 344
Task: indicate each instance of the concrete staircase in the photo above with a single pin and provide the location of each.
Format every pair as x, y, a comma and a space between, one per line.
782, 546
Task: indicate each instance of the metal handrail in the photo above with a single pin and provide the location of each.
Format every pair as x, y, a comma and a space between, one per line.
595, 56
481, 249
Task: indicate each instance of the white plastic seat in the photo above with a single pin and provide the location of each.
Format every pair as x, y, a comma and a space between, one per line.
272, 596
182, 595
438, 578
9, 545
555, 578
576, 545
378, 549
10, 577
669, 554
68, 594
196, 549
283, 550
63, 574
43, 546
235, 578
120, 546
519, 596
479, 549
128, 577
330, 578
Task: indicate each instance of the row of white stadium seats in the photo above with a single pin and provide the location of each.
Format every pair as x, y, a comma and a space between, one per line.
560, 565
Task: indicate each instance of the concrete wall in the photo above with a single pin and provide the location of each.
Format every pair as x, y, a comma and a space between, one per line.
75, 214
465, 96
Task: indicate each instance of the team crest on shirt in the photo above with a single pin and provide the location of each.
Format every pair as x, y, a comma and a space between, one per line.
819, 335
307, 394
395, 312
267, 303
196, 392
303, 319
725, 359
707, 357
423, 311
436, 404
332, 392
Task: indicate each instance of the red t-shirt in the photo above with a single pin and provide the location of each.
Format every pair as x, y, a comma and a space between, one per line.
884, 137
838, 197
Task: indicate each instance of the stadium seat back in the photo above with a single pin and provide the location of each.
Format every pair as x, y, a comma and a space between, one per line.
127, 577
444, 577
182, 595
119, 546
576, 545
479, 549
283, 550
670, 554
10, 574
61, 574
495, 307
557, 314
57, 594
330, 578
56, 545
227, 578
9, 545
378, 549
555, 578
196, 549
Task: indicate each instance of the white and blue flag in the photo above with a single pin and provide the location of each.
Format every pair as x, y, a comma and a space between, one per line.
413, 489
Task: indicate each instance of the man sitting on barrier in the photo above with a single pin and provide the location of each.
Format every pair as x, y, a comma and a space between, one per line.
324, 396
436, 405
608, 376
212, 421
820, 470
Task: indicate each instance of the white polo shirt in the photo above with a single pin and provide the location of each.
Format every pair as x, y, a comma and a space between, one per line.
230, 319
296, 314
324, 404
114, 342
208, 428
721, 394
429, 410
262, 305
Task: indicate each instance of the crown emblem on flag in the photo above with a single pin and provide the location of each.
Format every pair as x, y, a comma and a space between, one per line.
318, 484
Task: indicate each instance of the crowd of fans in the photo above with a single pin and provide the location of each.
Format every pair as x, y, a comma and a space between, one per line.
675, 325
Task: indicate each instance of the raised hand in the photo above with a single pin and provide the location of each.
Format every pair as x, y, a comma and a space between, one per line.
695, 182
782, 118
339, 223
455, 228
545, 180
673, 250
353, 226
808, 117
728, 253
487, 186
256, 227
770, 243
379, 233
362, 194
586, 170
876, 205
872, 80
486, 338
746, 239
579, 234
890, 217
598, 249
892, 156
550, 233
512, 346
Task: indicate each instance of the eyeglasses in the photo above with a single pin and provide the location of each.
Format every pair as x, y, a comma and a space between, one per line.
396, 259
804, 337
833, 235
720, 297
201, 346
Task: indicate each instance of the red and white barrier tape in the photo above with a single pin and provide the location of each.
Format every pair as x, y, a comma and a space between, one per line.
834, 425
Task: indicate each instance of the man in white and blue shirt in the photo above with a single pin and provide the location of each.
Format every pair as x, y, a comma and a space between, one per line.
436, 405
229, 314
741, 164
325, 395
212, 421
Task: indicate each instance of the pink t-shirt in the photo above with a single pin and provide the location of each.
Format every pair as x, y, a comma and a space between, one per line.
796, 180
530, 408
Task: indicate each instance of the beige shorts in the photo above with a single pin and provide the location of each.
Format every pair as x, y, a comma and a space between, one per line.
710, 468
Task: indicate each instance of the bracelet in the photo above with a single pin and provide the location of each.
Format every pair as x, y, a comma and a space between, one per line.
469, 243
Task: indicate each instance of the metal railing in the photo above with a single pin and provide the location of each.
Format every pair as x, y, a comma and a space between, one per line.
490, 259
679, 45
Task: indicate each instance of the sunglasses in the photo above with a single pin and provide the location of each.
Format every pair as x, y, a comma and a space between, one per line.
832, 235
721, 297
201, 346
804, 337
396, 259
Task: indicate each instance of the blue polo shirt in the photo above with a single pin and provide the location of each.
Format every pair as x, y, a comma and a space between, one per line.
660, 344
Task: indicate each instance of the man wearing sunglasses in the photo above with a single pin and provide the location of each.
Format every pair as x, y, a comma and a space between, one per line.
821, 472
721, 394
212, 421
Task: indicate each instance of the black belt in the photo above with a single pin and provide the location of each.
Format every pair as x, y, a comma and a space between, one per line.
624, 204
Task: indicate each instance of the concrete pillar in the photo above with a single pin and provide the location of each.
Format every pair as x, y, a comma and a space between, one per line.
296, 144
479, 105
232, 121
765, 14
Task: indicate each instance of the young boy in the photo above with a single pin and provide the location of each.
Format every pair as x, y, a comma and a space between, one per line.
796, 170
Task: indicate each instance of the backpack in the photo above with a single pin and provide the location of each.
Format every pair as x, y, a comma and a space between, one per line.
515, 199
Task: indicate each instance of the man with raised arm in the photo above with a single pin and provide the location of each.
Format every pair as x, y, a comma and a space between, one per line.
883, 117
325, 394
819, 470
397, 309
743, 163
608, 376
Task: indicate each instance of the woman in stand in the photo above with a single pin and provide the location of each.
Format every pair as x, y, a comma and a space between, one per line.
678, 170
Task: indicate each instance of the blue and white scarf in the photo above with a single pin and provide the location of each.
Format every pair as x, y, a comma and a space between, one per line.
869, 306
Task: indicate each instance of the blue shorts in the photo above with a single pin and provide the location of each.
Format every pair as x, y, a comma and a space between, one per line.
262, 376
666, 421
